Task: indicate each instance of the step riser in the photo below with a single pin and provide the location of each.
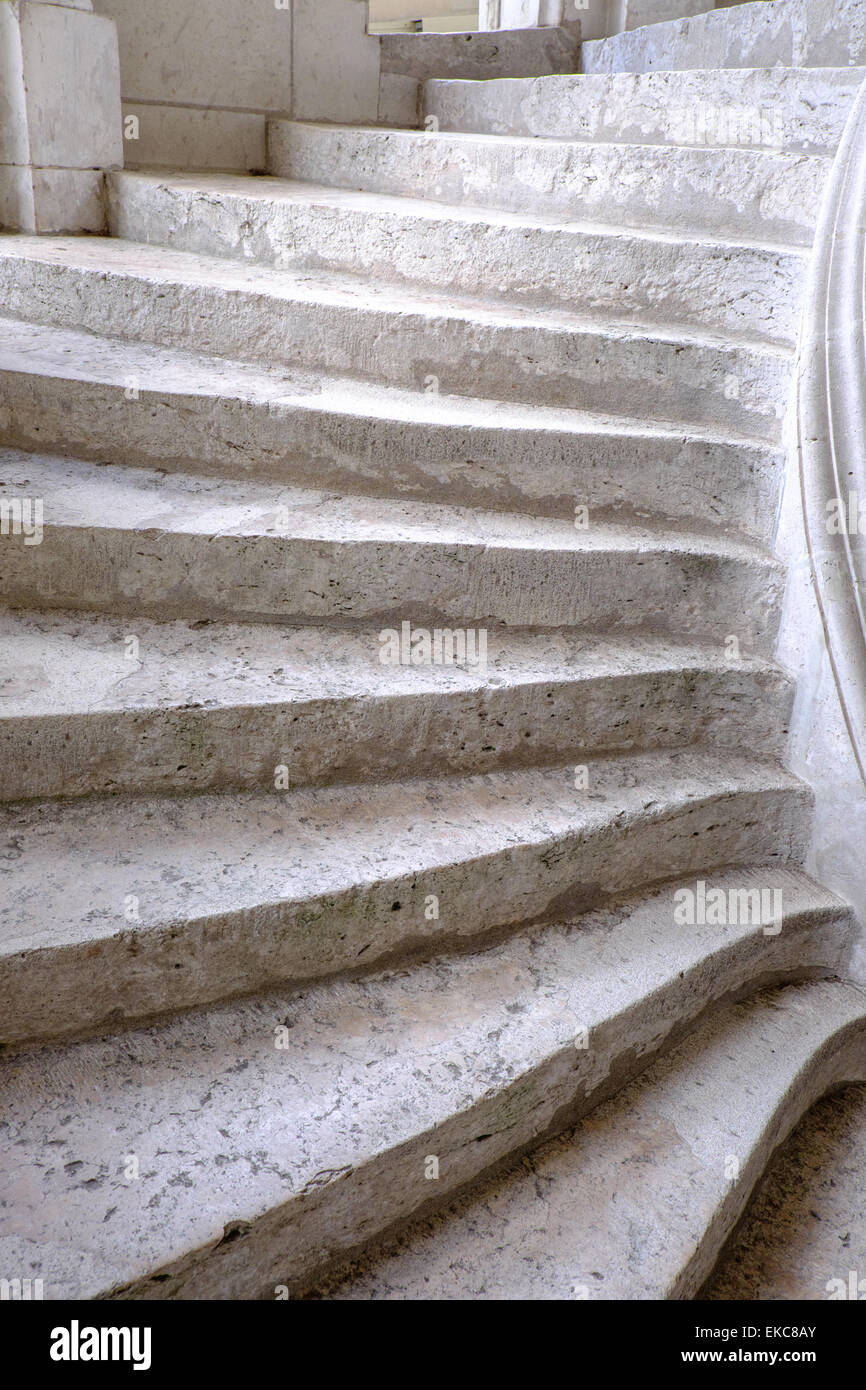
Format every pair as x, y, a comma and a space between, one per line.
796, 111
474, 56
189, 750
541, 365
544, 472
250, 578
299, 1243
179, 964
774, 197
842, 1063
737, 289
790, 33
673, 1158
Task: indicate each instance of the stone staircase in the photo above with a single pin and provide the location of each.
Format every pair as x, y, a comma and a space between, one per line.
300, 945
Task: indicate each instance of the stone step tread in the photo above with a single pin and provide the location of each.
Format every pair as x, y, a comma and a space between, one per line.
112, 497
94, 705
198, 855
60, 665
665, 78
70, 354
719, 189
546, 48
467, 140
308, 1119
255, 190
715, 281
637, 1201
790, 108
785, 33
165, 270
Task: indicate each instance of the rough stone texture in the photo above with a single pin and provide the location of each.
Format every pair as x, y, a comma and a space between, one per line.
76, 392
731, 285
307, 1151
516, 53
214, 55
636, 1203
827, 647
395, 336
820, 748
127, 540
767, 195
60, 122
233, 894
512, 51
201, 706
807, 1225
801, 110
245, 475
794, 33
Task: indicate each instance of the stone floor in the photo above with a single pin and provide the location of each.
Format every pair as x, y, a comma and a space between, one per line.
807, 1223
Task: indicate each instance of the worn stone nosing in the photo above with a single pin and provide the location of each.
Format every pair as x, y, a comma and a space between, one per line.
86, 706
166, 545
120, 908
672, 1158
307, 1151
516, 259
358, 330
767, 194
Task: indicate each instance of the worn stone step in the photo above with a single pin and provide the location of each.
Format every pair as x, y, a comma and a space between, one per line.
636, 1203
310, 1121
134, 541
504, 53
800, 109
92, 704
105, 399
769, 34
376, 332
730, 285
745, 192
804, 1230
121, 908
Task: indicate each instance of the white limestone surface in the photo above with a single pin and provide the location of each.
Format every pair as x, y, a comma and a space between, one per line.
87, 705
129, 540
769, 195
104, 399
121, 908
362, 329
745, 287
636, 1203
311, 1147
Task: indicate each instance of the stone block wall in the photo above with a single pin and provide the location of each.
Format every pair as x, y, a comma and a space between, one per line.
60, 125
200, 81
